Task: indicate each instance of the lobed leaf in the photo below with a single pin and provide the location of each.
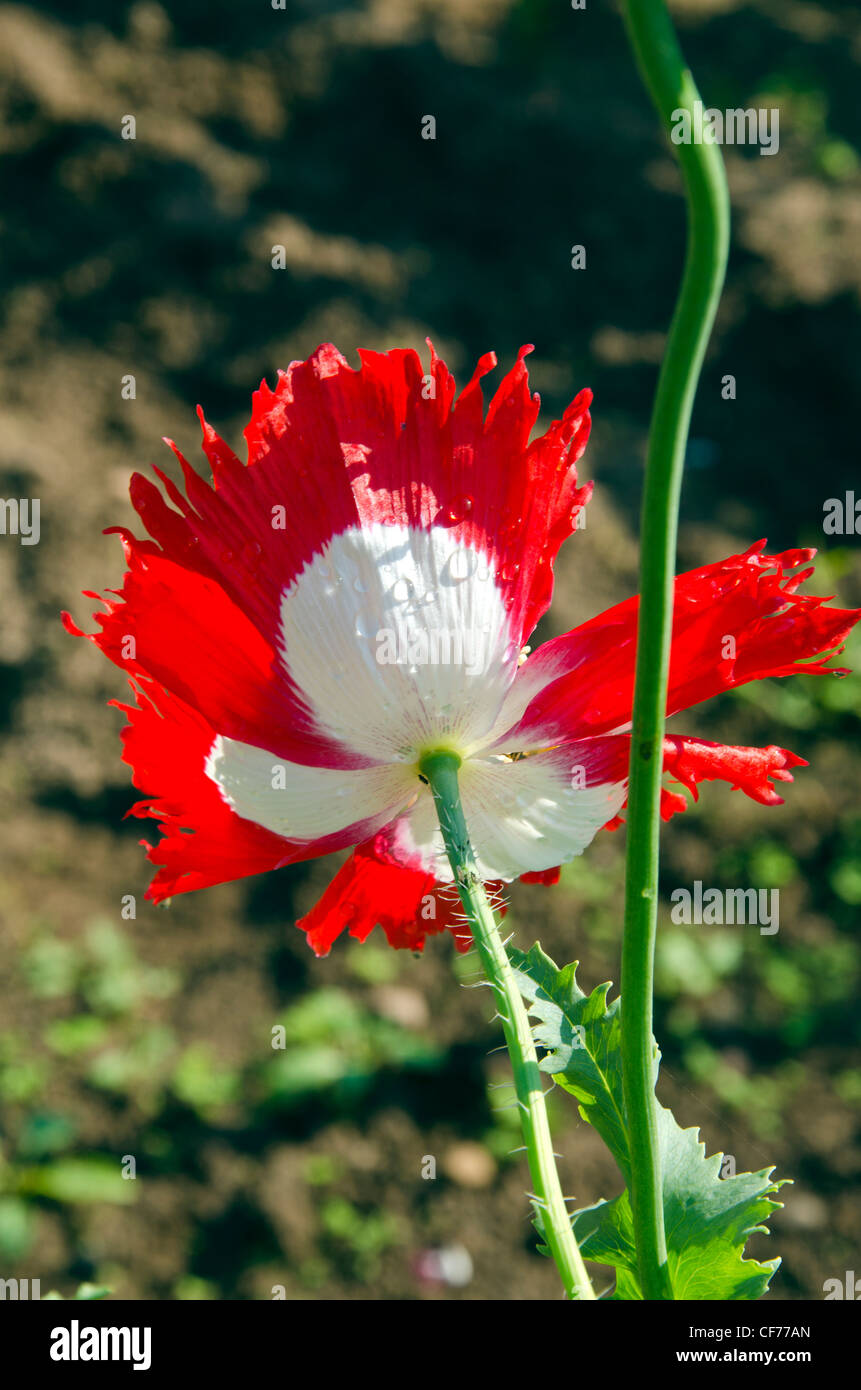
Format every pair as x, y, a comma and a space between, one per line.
707, 1218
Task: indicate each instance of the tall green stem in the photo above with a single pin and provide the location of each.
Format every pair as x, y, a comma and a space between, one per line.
672, 89
440, 769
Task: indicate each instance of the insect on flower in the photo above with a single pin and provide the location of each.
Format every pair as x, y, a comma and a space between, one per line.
299, 634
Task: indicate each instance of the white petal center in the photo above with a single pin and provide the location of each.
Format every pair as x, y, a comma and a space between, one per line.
399, 640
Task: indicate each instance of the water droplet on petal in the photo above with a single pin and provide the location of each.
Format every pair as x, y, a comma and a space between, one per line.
461, 564
459, 508
252, 556
402, 590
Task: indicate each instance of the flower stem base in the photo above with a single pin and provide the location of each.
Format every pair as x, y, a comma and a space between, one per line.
440, 770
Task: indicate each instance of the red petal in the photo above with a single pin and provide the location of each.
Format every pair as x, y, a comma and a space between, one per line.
751, 770
546, 876
333, 447
371, 889
694, 760
167, 742
179, 627
735, 621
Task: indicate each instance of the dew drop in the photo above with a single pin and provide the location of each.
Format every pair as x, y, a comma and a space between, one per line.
460, 508
252, 556
402, 590
461, 564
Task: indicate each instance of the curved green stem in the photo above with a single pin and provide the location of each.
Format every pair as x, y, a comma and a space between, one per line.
440, 769
672, 88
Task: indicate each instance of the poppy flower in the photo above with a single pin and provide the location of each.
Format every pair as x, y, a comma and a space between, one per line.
299, 633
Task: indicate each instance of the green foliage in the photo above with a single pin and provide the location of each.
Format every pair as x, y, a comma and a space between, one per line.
72, 1036
707, 1218
104, 969
694, 962
358, 1238
85, 1293
137, 1066
46, 1132
50, 967
321, 1170
372, 964
334, 1044
84, 1179
21, 1077
191, 1289
17, 1227
203, 1084
114, 980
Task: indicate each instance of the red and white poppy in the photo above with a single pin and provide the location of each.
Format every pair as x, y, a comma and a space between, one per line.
299, 633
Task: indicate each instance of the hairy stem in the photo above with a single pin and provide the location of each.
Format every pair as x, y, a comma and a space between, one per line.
672, 89
440, 769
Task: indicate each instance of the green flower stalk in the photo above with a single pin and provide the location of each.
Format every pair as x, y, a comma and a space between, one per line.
672, 88
440, 769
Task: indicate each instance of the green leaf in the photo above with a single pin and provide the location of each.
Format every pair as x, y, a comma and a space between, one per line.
581, 1036
707, 1218
77, 1179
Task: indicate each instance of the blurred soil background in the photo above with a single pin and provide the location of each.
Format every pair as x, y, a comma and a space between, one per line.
150, 1037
